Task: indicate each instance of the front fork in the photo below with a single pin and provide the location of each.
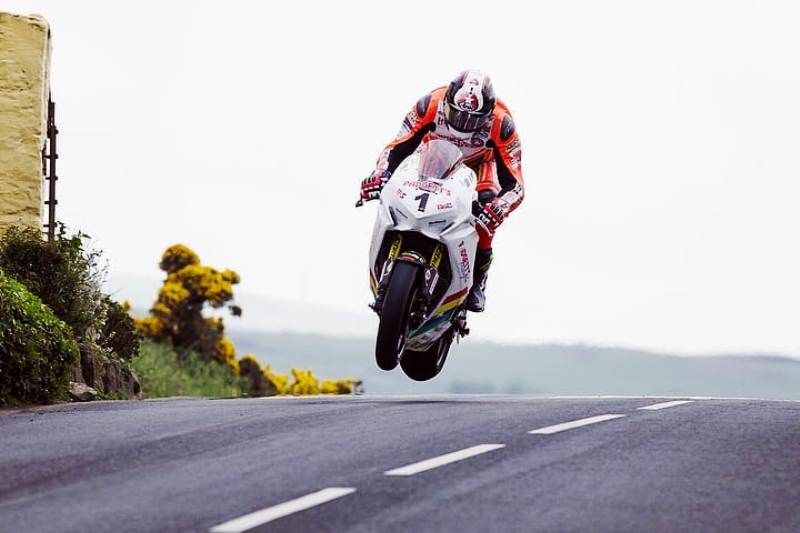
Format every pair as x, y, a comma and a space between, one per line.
430, 271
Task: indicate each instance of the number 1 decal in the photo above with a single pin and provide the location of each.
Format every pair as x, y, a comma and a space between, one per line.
423, 201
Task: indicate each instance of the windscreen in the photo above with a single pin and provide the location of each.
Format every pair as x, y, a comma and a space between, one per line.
438, 159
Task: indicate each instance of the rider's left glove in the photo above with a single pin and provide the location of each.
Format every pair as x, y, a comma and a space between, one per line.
371, 186
492, 214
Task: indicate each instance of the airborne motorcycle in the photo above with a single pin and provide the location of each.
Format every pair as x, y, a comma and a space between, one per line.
421, 259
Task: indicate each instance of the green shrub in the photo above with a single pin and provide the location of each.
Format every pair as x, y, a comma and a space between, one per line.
61, 273
67, 277
37, 350
119, 332
163, 373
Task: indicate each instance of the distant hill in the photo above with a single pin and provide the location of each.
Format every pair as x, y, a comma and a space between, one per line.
475, 367
482, 367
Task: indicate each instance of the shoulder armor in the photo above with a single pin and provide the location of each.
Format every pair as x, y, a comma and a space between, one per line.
507, 128
422, 105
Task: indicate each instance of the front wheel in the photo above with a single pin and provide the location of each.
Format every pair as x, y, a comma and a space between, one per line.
422, 366
393, 327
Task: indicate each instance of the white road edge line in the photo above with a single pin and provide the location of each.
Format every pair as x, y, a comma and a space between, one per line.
441, 460
549, 430
664, 405
258, 518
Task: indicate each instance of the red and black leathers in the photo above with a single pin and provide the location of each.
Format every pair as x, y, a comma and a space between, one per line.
493, 151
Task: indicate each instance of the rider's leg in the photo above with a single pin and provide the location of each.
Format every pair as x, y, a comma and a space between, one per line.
476, 300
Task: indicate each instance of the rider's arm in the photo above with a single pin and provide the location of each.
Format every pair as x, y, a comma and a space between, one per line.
418, 122
508, 160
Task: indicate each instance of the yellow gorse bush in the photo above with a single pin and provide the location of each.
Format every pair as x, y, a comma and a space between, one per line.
172, 294
279, 381
337, 386
176, 318
150, 326
249, 359
206, 284
305, 382
176, 257
227, 352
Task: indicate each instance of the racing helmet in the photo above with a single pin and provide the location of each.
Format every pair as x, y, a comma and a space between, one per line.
469, 101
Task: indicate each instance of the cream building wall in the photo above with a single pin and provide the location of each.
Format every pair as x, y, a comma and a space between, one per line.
24, 90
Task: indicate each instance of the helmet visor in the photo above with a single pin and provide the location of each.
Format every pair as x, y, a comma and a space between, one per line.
466, 121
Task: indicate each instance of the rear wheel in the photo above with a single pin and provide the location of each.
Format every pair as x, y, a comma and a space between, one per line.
393, 327
425, 365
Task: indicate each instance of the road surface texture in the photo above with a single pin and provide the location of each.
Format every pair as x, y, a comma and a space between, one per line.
400, 464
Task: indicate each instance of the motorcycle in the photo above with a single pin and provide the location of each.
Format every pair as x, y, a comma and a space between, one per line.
421, 259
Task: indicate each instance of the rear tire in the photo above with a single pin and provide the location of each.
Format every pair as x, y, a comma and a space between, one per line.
393, 327
422, 366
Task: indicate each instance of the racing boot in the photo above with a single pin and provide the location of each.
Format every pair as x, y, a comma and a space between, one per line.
476, 300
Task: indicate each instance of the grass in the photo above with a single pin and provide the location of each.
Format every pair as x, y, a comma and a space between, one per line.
162, 374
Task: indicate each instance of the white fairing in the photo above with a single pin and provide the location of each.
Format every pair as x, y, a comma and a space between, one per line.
446, 216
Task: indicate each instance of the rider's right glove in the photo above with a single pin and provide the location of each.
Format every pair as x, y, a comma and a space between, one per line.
491, 214
371, 186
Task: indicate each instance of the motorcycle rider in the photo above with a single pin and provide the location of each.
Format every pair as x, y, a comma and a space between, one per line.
468, 114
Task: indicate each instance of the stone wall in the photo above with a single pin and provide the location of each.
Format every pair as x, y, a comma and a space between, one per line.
24, 90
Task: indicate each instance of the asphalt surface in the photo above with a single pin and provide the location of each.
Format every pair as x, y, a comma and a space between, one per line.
193, 465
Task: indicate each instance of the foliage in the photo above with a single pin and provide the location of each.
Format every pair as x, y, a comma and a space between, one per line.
37, 349
177, 317
119, 333
337, 386
177, 257
163, 372
62, 273
250, 372
279, 381
305, 383
266, 382
67, 277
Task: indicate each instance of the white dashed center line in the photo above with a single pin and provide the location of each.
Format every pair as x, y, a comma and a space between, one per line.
249, 521
446, 459
664, 405
549, 430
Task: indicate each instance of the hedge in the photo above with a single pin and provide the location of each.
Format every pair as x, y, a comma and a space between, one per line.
37, 350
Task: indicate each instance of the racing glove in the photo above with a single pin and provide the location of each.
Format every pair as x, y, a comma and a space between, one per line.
491, 214
371, 186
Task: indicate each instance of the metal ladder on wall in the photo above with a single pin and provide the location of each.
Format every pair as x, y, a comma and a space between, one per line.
49, 158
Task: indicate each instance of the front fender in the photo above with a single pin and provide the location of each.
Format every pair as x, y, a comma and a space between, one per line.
413, 258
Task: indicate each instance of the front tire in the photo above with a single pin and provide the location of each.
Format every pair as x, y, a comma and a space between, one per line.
422, 366
393, 327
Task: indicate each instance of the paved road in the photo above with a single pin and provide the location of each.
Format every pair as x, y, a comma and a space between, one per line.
445, 463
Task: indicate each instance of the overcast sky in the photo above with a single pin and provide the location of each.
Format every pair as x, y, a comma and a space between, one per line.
660, 152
